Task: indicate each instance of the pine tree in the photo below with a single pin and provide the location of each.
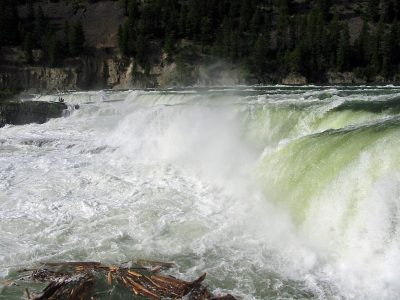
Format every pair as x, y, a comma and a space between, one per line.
226, 37
343, 53
124, 5
323, 7
40, 25
282, 32
147, 68
169, 46
256, 24
106, 73
297, 59
333, 40
374, 65
260, 55
28, 47
362, 46
182, 20
206, 31
390, 51
372, 10
76, 39
133, 11
285, 7
193, 22
123, 39
53, 51
9, 34
387, 10
132, 37
141, 50
386, 55
66, 31
31, 10
396, 44
246, 12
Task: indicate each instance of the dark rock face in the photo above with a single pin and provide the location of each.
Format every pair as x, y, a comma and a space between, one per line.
19, 113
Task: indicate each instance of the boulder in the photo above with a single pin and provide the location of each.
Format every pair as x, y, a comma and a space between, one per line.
19, 113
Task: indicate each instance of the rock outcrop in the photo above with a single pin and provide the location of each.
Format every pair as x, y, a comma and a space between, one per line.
38, 78
294, 79
19, 113
95, 70
344, 78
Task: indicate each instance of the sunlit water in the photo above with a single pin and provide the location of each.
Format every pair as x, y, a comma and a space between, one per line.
275, 192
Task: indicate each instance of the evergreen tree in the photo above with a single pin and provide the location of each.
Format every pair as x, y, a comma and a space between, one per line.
256, 24
193, 21
66, 30
9, 34
226, 38
374, 65
53, 51
147, 68
373, 10
141, 50
133, 11
334, 36
182, 21
260, 55
28, 47
123, 39
106, 73
386, 55
323, 7
76, 39
40, 25
362, 46
31, 10
395, 31
285, 6
124, 5
390, 51
246, 13
47, 40
297, 61
206, 31
343, 53
169, 46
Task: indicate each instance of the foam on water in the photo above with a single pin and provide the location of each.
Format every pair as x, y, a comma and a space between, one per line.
274, 191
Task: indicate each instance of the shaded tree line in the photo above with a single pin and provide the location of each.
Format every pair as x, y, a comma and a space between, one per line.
269, 36
263, 36
35, 32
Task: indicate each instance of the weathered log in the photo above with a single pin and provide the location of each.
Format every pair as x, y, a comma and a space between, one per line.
76, 281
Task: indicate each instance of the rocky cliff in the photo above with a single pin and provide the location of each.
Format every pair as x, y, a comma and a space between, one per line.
99, 68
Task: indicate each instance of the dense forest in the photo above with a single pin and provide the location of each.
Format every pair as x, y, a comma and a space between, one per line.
36, 32
262, 36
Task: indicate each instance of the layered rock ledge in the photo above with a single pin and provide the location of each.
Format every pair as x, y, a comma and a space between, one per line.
20, 113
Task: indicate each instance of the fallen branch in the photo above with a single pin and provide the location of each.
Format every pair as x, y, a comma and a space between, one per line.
77, 280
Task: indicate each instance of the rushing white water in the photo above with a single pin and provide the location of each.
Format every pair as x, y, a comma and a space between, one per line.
277, 192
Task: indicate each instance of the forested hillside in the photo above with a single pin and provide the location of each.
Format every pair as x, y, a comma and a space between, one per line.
265, 38
283, 36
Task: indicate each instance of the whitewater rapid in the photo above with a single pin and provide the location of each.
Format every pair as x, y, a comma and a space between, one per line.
276, 192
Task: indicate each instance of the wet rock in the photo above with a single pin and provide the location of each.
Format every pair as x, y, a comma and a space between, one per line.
19, 113
294, 79
344, 78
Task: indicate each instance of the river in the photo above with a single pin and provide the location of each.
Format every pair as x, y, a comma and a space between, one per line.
276, 192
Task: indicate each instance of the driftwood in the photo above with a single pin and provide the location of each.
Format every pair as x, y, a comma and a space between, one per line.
77, 280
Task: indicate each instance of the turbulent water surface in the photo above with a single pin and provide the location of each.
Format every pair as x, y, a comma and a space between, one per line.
276, 192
